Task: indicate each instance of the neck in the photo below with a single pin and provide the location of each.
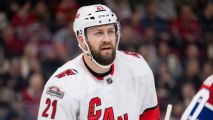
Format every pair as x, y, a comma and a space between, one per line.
94, 66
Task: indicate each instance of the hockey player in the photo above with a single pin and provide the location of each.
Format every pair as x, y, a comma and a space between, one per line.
102, 83
201, 106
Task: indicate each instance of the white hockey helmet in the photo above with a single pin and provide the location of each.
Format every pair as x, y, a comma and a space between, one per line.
94, 15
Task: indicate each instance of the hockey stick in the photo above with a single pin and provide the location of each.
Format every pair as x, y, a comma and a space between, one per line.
168, 112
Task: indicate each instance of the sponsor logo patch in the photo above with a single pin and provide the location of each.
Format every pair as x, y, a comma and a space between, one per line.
55, 91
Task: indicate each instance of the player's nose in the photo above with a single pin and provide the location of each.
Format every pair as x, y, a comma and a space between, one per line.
106, 37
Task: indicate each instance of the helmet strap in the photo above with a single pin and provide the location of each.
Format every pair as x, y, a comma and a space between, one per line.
87, 50
89, 54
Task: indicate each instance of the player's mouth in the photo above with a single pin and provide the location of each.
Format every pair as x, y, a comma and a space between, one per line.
106, 48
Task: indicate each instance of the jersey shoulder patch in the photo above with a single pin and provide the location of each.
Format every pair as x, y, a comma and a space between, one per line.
134, 54
67, 72
135, 59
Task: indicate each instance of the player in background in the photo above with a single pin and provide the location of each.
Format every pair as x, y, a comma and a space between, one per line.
201, 106
102, 83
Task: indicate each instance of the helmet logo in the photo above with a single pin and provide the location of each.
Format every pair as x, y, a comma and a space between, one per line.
100, 8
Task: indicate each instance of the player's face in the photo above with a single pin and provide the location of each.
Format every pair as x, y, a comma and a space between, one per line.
102, 43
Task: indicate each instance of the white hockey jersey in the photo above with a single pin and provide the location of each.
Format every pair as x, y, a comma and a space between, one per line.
127, 93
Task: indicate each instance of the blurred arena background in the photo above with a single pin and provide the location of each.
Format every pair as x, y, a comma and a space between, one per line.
36, 37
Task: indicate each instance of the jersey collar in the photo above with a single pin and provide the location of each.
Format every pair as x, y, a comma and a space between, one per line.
98, 75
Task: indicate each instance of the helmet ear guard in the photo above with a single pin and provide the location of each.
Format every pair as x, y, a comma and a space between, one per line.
93, 15
80, 38
81, 42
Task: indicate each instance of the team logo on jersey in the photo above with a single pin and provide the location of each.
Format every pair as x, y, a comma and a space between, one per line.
55, 91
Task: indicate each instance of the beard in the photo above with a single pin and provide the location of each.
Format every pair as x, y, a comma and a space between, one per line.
106, 59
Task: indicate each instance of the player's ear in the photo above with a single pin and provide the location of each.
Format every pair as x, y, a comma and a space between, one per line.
80, 38
81, 41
